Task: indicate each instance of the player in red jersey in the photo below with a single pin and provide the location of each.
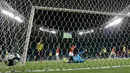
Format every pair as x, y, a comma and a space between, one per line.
57, 53
71, 50
113, 53
71, 54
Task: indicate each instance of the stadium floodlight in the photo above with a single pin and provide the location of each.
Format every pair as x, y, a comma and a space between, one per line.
114, 23
12, 15
80, 33
92, 31
89, 31
8, 13
42, 29
18, 19
54, 32
107, 26
85, 32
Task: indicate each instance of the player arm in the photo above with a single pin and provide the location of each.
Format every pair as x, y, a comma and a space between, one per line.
81, 53
81, 58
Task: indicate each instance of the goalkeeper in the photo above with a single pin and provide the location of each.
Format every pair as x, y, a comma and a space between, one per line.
77, 58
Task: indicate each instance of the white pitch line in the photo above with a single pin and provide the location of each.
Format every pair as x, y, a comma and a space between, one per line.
73, 69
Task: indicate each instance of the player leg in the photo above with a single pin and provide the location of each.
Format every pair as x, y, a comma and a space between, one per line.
114, 55
57, 56
36, 55
70, 56
81, 59
110, 55
35, 58
73, 60
41, 55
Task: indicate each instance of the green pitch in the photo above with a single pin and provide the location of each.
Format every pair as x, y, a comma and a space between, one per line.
47, 65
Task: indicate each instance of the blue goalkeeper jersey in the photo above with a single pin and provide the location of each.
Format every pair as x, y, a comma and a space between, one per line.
78, 58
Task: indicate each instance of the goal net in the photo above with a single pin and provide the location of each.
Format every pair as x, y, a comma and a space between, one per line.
44, 33
13, 27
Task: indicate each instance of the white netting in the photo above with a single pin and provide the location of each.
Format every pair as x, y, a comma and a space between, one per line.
13, 29
95, 25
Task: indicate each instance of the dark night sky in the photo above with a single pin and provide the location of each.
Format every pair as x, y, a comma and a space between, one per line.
71, 21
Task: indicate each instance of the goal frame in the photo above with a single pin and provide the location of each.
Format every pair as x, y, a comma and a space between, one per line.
30, 24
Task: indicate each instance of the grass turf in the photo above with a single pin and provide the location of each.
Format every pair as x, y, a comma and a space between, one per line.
46, 65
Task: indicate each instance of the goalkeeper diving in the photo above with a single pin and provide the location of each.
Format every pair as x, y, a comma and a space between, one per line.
77, 58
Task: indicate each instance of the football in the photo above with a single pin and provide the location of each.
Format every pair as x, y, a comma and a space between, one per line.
12, 59
65, 60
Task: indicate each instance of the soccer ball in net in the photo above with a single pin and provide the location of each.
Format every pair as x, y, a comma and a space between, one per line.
12, 59
65, 60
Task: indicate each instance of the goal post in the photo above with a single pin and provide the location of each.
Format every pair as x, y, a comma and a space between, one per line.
25, 49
